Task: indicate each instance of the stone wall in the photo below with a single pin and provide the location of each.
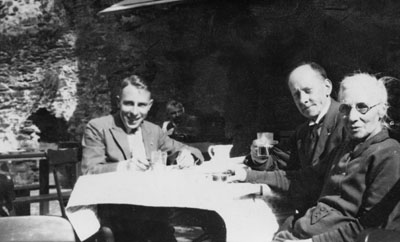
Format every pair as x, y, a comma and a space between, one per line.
222, 59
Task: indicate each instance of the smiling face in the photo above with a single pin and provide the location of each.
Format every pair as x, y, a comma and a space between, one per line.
310, 91
134, 104
358, 125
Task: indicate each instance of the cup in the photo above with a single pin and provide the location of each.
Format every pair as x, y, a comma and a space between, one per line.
219, 152
220, 176
158, 160
266, 137
264, 141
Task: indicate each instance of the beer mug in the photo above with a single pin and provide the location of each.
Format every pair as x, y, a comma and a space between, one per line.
264, 142
158, 160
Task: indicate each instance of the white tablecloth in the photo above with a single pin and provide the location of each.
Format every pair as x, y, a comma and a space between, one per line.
247, 217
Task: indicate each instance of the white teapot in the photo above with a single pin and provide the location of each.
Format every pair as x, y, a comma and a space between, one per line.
219, 152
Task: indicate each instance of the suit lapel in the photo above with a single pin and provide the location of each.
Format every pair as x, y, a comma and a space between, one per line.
327, 128
120, 136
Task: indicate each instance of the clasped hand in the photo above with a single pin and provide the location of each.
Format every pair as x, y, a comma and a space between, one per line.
137, 164
185, 159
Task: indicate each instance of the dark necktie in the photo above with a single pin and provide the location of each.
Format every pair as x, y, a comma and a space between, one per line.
133, 131
312, 140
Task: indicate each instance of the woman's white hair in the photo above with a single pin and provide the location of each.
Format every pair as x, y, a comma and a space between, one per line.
367, 81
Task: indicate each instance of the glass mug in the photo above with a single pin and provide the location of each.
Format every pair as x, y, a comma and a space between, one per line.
158, 160
264, 141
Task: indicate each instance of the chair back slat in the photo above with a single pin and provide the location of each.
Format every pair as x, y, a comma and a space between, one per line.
62, 156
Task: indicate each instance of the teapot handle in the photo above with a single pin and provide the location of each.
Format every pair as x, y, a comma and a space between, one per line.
211, 151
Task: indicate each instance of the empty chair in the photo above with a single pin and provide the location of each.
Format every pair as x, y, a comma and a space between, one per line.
36, 228
63, 161
44, 228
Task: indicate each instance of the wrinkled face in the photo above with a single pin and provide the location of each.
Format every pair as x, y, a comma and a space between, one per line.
134, 105
309, 90
358, 125
175, 113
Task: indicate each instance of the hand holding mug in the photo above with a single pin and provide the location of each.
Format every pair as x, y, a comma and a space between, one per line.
259, 152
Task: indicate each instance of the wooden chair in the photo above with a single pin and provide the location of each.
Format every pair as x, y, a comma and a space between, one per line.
37, 225
36, 228
44, 229
58, 159
66, 159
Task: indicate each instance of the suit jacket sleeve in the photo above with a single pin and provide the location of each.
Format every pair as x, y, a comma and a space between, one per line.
94, 160
293, 183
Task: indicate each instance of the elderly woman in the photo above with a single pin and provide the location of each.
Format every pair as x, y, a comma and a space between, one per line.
354, 177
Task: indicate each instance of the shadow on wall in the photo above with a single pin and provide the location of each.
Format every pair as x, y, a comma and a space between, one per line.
52, 129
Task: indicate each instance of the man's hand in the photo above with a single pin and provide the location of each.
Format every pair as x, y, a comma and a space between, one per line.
238, 174
138, 164
134, 164
185, 159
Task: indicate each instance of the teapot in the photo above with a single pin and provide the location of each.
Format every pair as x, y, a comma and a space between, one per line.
219, 152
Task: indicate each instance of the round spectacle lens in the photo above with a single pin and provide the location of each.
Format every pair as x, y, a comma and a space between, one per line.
362, 108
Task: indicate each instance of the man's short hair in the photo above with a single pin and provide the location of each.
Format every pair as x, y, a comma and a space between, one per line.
136, 81
314, 66
173, 104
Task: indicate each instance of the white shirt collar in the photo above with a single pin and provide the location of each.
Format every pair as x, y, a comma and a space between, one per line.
321, 114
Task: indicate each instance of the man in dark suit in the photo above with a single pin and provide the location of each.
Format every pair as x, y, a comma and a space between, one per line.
314, 139
181, 126
123, 142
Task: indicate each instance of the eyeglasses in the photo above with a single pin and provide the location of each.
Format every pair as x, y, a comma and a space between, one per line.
360, 107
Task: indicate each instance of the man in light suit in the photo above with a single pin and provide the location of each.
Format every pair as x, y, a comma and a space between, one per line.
314, 139
123, 142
